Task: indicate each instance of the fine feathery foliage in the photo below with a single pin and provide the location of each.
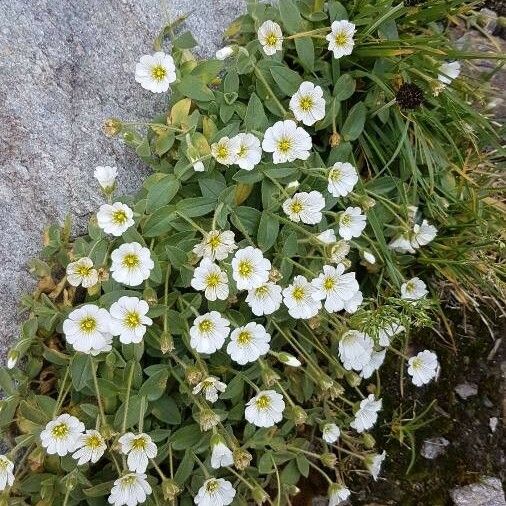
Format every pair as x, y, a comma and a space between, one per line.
219, 335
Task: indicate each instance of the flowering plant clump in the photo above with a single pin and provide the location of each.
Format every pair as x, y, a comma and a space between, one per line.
219, 336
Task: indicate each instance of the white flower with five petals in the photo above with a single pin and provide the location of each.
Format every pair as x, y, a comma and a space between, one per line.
340, 38
115, 219
287, 142
209, 278
335, 287
90, 447
423, 368
265, 409
216, 245
270, 37
351, 223
129, 320
130, 490
265, 299
210, 386
139, 448
131, 264
342, 179
155, 72
300, 297
61, 435
248, 343
308, 104
208, 332
81, 272
249, 268
215, 492
367, 415
305, 207
249, 152
355, 350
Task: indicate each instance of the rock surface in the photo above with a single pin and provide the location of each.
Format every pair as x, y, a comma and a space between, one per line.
65, 67
487, 492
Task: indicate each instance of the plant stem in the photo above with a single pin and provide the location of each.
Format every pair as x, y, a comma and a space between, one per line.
127, 400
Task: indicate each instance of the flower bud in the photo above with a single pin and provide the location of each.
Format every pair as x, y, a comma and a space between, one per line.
292, 490
166, 342
334, 140
336, 391
208, 419
275, 275
339, 251
224, 53
299, 415
369, 441
314, 322
12, 359
170, 489
288, 359
193, 375
291, 187
269, 376
150, 296
112, 127
329, 460
242, 459
36, 460
352, 378
259, 495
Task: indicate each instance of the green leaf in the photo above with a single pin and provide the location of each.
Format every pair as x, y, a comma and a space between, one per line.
246, 218
185, 468
186, 437
166, 410
290, 16
196, 206
134, 407
192, 87
305, 51
354, 124
80, 371
207, 70
287, 80
268, 230
154, 387
184, 41
303, 465
344, 87
161, 193
160, 221
255, 118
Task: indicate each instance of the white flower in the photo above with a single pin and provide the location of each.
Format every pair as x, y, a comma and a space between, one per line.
288, 359
342, 179
216, 245
339, 252
335, 287
401, 244
330, 432
341, 38
129, 320
351, 305
327, 236
270, 37
225, 150
366, 416
369, 257
61, 435
87, 328
209, 278
210, 386
351, 223
115, 219
248, 343
130, 490
208, 332
413, 289
91, 446
106, 176
82, 273
155, 72
249, 268
265, 409
390, 330
355, 350
287, 142
131, 264
198, 166
265, 299
6, 472
300, 299
224, 53
338, 493
305, 207
308, 104
215, 492
423, 234
139, 448
448, 71
373, 463
375, 362
12, 359
423, 368
249, 152
221, 455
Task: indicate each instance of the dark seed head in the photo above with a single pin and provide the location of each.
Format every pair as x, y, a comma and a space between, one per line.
409, 96
412, 3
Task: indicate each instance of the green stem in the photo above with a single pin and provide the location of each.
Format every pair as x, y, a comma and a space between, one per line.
262, 79
127, 400
97, 392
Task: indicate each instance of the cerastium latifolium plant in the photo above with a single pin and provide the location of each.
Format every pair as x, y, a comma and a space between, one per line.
218, 336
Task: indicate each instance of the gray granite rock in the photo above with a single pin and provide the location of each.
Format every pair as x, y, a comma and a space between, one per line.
487, 492
65, 66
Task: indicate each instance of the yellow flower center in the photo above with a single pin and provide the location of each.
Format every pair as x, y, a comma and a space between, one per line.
346, 220
213, 280
335, 175
93, 442
131, 260
88, 324
284, 144
214, 241
271, 39
3, 464
306, 103
222, 151
417, 363
212, 486
410, 287
262, 291
298, 293
60, 431
296, 207
329, 283
245, 268
263, 402
341, 39
158, 72
206, 326
128, 480
139, 443
83, 270
132, 319
244, 337
119, 217
243, 151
